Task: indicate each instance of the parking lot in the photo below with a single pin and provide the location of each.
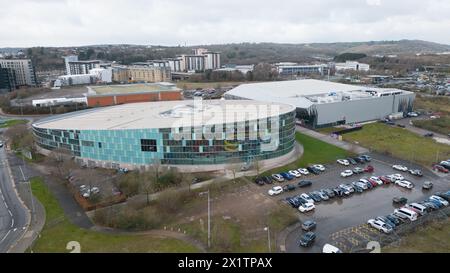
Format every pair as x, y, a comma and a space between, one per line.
342, 220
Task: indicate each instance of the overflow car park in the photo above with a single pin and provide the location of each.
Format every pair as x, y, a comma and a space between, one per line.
345, 217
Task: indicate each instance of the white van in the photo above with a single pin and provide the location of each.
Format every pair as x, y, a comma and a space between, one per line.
422, 209
327, 248
406, 213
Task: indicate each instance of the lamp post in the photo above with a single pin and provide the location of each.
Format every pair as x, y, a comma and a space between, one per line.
209, 217
268, 238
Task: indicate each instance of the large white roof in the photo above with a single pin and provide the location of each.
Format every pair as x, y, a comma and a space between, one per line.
293, 92
164, 114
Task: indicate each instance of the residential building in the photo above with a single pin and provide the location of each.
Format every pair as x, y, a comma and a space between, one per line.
7, 80
68, 60
23, 71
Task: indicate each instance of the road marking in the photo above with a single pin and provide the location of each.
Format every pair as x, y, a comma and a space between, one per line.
15, 229
12, 222
10, 213
5, 236
6, 205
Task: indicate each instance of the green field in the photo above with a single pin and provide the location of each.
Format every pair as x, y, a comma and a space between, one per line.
434, 238
58, 231
399, 143
315, 152
12, 122
440, 125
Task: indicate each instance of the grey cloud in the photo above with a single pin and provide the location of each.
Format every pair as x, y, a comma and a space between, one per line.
173, 22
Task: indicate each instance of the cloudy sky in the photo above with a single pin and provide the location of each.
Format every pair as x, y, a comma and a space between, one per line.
192, 22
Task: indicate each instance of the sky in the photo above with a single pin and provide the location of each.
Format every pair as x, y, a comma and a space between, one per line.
200, 22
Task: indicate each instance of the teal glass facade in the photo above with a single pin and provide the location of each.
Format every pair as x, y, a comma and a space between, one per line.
144, 146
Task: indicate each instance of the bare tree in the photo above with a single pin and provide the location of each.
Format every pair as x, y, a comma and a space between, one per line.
234, 166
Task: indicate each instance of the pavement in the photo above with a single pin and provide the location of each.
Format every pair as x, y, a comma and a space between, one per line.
340, 214
333, 141
14, 215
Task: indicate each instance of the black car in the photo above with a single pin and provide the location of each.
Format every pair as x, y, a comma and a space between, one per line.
428, 135
313, 170
401, 125
304, 183
267, 180
259, 181
309, 225
443, 196
352, 161
293, 201
338, 192
315, 197
399, 200
393, 219
399, 219
357, 189
288, 188
359, 159
307, 239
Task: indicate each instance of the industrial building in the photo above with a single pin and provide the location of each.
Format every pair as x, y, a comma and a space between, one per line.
130, 93
95, 75
185, 134
294, 69
323, 103
351, 65
22, 71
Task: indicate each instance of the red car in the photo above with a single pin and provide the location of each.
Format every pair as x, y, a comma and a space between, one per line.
439, 168
369, 169
385, 180
373, 182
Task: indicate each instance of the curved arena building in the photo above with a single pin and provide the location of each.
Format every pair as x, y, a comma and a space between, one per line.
179, 133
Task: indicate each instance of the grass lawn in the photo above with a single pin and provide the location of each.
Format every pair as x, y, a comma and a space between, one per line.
436, 104
315, 152
440, 125
399, 143
205, 85
58, 231
434, 238
12, 122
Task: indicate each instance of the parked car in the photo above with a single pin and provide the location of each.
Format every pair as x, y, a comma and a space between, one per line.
319, 167
399, 200
344, 162
428, 135
352, 161
288, 188
303, 171
379, 225
307, 198
439, 199
369, 169
418, 208
327, 248
307, 239
275, 190
386, 221
385, 179
309, 225
444, 195
338, 191
306, 207
358, 170
427, 185
401, 125
346, 187
404, 184
259, 181
400, 168
412, 114
357, 188
396, 177
295, 173
366, 158
304, 183
330, 193
440, 168
406, 213
313, 170
315, 197
416, 172
373, 182
323, 195
287, 176
267, 180
359, 159
377, 180
393, 219
346, 173
362, 185
278, 177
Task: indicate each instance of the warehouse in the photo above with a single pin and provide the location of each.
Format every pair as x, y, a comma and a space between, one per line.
323, 103
178, 133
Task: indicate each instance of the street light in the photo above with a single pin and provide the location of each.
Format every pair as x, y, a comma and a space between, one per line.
268, 238
209, 217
